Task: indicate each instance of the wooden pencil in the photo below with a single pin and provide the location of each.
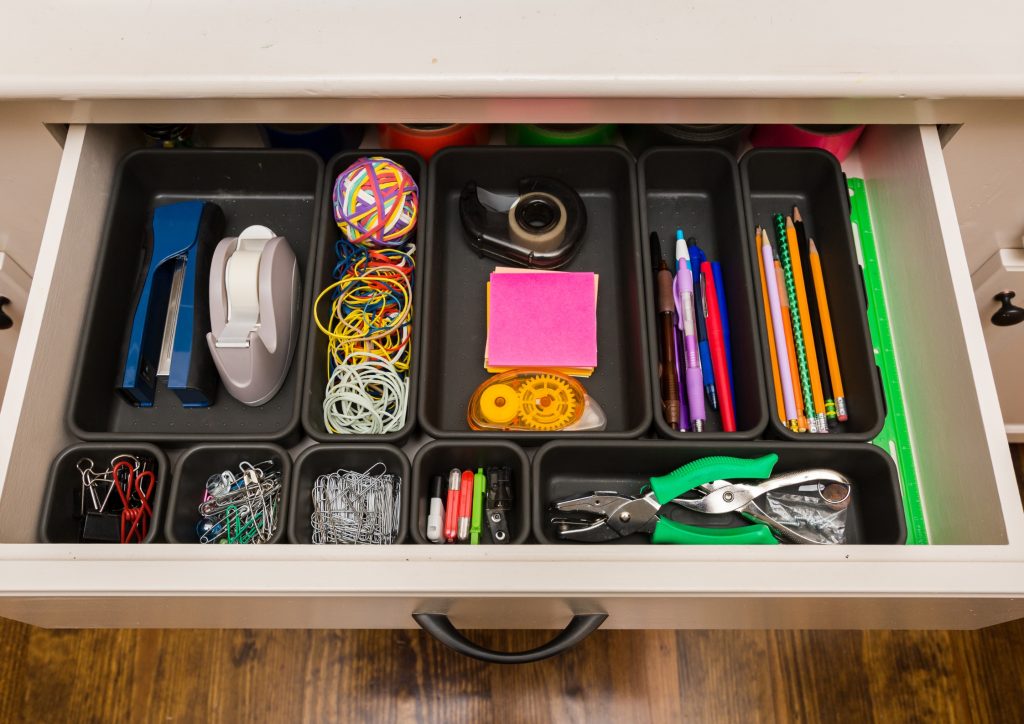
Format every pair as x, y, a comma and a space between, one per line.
798, 334
787, 326
831, 352
815, 317
805, 324
768, 323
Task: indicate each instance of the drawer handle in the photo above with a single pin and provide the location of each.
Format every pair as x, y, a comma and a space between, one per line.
1008, 313
441, 628
5, 321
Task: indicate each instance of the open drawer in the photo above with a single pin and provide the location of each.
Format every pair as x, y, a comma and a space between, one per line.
972, 575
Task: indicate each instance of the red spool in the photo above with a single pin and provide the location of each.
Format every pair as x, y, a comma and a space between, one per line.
837, 140
428, 139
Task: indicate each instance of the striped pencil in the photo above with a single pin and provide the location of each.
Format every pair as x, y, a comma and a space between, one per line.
798, 337
805, 320
787, 326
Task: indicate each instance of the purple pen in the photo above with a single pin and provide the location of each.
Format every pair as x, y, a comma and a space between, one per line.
688, 327
684, 409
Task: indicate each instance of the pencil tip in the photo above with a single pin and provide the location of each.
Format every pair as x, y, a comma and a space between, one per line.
796, 214
810, 243
789, 222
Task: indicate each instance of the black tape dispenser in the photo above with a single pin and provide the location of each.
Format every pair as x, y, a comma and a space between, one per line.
541, 226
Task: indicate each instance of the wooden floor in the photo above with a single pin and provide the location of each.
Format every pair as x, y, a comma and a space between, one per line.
631, 677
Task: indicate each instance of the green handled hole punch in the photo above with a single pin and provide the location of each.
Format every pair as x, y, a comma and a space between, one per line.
711, 486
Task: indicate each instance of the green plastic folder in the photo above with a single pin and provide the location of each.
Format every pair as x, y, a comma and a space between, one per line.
895, 435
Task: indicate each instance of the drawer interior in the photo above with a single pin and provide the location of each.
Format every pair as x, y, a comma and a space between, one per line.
966, 478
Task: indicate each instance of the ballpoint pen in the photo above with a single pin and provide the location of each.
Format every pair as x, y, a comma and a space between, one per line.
668, 347
688, 328
723, 311
696, 259
658, 262
717, 343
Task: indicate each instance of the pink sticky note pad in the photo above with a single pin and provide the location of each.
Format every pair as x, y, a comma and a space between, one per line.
542, 320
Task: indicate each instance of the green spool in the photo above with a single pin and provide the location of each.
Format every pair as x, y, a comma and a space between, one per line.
794, 313
530, 134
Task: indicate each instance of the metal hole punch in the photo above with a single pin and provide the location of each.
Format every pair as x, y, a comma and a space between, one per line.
816, 497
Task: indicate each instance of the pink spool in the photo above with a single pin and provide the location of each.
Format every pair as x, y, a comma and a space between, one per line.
837, 140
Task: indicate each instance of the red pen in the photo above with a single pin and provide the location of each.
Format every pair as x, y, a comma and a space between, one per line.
451, 511
465, 504
716, 342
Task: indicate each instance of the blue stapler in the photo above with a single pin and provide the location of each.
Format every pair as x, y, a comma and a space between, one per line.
171, 320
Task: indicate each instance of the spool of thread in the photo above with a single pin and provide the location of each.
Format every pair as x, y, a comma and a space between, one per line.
426, 139
376, 203
727, 136
837, 140
531, 134
164, 135
325, 140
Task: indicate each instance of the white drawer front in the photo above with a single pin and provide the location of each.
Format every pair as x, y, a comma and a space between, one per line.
969, 579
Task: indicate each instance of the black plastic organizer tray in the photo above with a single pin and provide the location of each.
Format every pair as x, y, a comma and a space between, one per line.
324, 459
60, 523
698, 190
774, 180
195, 466
323, 275
568, 468
278, 189
440, 456
454, 329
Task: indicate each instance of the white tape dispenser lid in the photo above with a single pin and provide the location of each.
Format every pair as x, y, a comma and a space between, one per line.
241, 282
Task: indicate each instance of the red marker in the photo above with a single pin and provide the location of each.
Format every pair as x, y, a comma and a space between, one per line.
451, 510
465, 504
716, 342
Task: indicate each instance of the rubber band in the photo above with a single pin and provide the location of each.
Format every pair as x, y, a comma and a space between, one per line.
376, 202
366, 315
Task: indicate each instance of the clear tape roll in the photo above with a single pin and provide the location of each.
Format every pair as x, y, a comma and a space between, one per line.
551, 234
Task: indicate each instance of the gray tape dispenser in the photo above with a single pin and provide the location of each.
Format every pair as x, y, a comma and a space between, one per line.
254, 312
540, 227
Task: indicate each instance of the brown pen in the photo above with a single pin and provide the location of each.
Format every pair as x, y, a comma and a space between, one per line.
669, 372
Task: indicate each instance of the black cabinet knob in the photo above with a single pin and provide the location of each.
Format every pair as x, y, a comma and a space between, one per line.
1008, 314
5, 321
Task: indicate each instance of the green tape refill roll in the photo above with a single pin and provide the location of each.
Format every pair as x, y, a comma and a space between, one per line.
530, 134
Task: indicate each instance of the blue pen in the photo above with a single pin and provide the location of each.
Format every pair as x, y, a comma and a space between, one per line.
696, 258
716, 270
